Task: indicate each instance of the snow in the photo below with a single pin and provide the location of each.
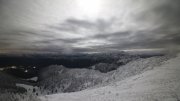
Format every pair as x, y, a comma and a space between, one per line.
24, 86
1, 69
26, 71
162, 83
13, 67
29, 88
33, 79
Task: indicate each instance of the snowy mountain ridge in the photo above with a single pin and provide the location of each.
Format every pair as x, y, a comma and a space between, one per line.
59, 79
161, 83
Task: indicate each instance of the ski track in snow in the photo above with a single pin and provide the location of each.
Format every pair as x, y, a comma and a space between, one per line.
160, 84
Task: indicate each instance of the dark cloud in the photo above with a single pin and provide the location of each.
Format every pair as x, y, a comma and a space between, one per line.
169, 12
141, 39
165, 12
112, 35
165, 15
74, 25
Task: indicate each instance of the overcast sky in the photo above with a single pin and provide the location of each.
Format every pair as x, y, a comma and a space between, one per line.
68, 26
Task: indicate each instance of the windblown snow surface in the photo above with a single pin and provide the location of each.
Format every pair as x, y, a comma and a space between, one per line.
162, 83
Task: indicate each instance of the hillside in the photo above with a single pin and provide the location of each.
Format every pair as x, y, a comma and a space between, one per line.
159, 83
60, 79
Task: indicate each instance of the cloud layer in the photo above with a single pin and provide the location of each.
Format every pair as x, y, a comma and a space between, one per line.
58, 26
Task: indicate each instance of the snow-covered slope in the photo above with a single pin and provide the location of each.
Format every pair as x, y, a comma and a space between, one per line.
159, 84
56, 79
